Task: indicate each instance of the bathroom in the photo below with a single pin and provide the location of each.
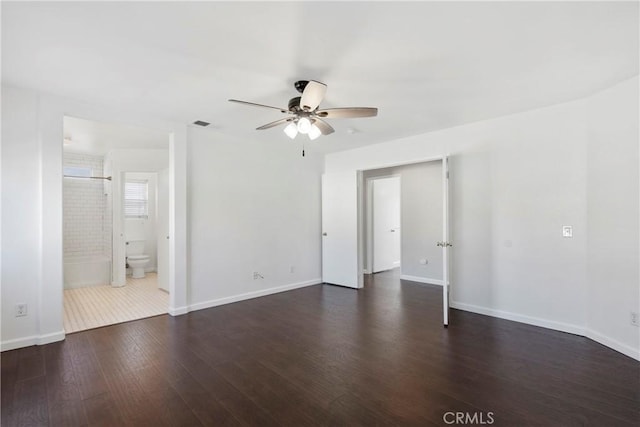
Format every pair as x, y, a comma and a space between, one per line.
116, 216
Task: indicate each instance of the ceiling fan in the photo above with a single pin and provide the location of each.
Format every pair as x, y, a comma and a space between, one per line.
303, 115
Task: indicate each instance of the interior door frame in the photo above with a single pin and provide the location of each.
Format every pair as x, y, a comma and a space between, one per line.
163, 238
446, 282
444, 161
368, 267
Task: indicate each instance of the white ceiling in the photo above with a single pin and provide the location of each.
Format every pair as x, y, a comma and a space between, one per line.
98, 138
426, 65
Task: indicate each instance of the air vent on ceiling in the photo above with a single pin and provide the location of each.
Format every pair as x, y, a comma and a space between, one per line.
201, 123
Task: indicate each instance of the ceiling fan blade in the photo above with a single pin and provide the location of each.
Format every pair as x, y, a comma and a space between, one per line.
253, 104
276, 123
312, 95
324, 127
347, 113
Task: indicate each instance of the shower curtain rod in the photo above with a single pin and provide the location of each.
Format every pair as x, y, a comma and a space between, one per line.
89, 177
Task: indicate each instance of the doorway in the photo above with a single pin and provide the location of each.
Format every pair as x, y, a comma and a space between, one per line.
424, 228
115, 194
383, 237
404, 210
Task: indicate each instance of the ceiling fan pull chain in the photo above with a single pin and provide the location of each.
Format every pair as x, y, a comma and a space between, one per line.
303, 148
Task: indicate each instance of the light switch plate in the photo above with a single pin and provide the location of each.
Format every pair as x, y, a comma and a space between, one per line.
567, 231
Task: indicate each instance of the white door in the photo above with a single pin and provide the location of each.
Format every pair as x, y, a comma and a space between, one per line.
340, 265
445, 244
163, 229
386, 223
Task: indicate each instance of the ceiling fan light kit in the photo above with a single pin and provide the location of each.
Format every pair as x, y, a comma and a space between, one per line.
314, 132
304, 125
305, 117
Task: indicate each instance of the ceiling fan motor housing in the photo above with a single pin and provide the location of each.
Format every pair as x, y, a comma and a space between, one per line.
300, 85
294, 104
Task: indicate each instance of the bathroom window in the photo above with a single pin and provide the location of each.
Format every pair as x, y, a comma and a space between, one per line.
136, 199
77, 172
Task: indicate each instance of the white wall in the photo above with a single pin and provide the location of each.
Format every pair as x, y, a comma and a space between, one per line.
145, 228
421, 217
515, 181
252, 207
613, 214
21, 212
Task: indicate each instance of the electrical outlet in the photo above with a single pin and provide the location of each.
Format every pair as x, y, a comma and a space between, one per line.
635, 318
567, 231
21, 310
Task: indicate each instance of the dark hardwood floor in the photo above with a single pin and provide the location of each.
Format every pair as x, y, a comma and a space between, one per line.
321, 355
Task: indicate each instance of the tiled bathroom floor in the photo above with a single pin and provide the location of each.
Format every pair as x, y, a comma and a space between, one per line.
95, 306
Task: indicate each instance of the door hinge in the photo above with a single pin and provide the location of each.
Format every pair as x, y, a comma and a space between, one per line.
444, 244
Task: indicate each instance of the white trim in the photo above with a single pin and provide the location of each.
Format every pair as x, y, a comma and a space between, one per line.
625, 349
19, 343
403, 163
421, 279
53, 337
365, 271
32, 340
446, 284
255, 294
535, 321
177, 311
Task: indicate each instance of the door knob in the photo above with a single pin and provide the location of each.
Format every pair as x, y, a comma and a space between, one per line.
393, 230
324, 234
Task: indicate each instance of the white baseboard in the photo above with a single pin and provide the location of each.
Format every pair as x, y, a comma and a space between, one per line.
32, 340
633, 353
177, 311
255, 294
535, 321
421, 279
52, 337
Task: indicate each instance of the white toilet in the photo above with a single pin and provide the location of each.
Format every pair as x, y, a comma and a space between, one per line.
136, 258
